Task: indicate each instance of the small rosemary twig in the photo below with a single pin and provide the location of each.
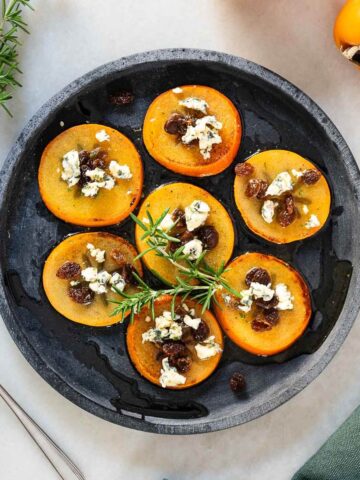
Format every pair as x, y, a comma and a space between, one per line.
11, 22
157, 240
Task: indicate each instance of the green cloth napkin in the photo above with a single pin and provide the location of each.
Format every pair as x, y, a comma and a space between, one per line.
339, 457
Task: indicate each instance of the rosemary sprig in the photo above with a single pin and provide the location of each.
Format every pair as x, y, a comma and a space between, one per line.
157, 240
11, 22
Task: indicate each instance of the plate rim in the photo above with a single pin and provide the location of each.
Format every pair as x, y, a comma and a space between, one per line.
337, 335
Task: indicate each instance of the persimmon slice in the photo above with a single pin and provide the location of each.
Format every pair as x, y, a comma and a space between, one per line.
237, 324
168, 149
179, 195
74, 249
310, 200
145, 355
108, 207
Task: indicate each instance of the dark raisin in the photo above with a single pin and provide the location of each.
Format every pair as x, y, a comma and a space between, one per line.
97, 163
244, 169
83, 177
81, 294
271, 316
127, 272
160, 356
287, 213
171, 348
260, 302
69, 270
178, 216
122, 98
237, 382
186, 236
118, 257
258, 275
201, 333
84, 157
208, 235
311, 176
182, 364
180, 310
256, 188
260, 324
173, 246
176, 124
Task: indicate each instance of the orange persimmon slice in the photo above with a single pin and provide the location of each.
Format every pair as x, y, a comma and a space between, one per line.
309, 199
291, 323
109, 206
74, 249
181, 195
168, 149
145, 355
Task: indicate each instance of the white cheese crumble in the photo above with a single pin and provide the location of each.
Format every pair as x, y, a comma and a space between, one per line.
196, 214
262, 291
312, 222
268, 210
91, 189
169, 376
96, 253
207, 349
193, 249
166, 328
206, 132
281, 183
305, 209
167, 223
100, 281
177, 90
194, 103
192, 322
71, 168
296, 173
284, 296
97, 174
120, 171
246, 300
102, 136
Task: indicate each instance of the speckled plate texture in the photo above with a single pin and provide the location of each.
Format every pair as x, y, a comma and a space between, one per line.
91, 366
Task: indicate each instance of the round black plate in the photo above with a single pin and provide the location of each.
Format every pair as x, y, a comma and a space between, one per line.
91, 366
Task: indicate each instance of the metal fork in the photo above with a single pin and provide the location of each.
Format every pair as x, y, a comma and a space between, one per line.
64, 467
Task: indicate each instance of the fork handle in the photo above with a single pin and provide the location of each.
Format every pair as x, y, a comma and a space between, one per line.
65, 468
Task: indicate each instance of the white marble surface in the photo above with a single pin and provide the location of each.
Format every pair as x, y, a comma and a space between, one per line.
291, 37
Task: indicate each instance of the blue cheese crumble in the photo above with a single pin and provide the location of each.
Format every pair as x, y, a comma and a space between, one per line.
268, 210
282, 183
169, 376
99, 282
196, 214
206, 131
120, 171
194, 103
96, 253
166, 328
312, 222
284, 296
71, 168
102, 136
193, 249
208, 348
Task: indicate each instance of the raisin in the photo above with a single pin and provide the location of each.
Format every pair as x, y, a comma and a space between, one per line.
186, 236
260, 302
83, 177
173, 246
182, 364
81, 294
69, 270
259, 324
178, 216
171, 348
271, 316
176, 124
84, 157
311, 176
117, 256
208, 235
244, 169
287, 213
122, 97
97, 163
237, 382
127, 272
201, 333
256, 188
258, 275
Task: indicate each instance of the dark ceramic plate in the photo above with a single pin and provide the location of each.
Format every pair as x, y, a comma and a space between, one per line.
91, 366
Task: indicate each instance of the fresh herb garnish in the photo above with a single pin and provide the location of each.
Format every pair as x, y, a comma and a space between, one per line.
198, 280
11, 22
